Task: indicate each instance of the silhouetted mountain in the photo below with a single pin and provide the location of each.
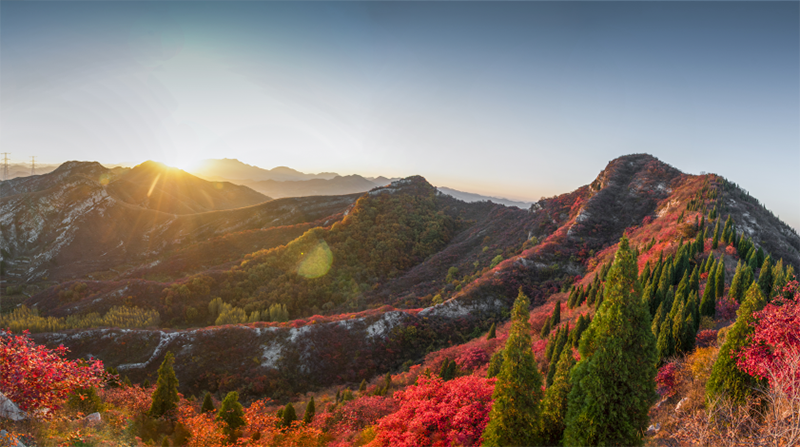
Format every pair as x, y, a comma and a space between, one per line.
471, 197
317, 187
235, 170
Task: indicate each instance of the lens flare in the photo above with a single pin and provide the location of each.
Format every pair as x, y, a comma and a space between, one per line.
315, 262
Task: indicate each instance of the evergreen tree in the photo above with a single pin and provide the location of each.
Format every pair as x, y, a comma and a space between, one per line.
719, 279
779, 278
613, 385
715, 241
514, 418
289, 415
232, 414
146, 383
492, 332
694, 280
165, 398
560, 346
556, 316
363, 386
726, 379
495, 364
208, 403
311, 410
752, 260
554, 405
708, 303
738, 285
765, 278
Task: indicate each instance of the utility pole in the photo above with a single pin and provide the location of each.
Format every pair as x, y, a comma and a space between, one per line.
33, 165
5, 164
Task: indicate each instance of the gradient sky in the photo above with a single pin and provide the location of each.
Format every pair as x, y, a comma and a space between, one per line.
521, 100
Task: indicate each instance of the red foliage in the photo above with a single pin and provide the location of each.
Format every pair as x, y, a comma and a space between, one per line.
667, 379
775, 341
706, 338
473, 358
136, 398
647, 220
437, 413
730, 250
35, 377
726, 308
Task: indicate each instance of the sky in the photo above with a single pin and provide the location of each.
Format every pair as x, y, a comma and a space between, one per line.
515, 99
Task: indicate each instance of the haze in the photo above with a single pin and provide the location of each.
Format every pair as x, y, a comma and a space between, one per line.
520, 100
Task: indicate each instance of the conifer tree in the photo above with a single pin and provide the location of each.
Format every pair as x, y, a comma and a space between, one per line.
232, 414
719, 279
765, 278
738, 284
779, 278
363, 386
752, 260
146, 383
311, 411
208, 403
613, 385
289, 415
492, 332
556, 316
694, 280
514, 418
726, 379
165, 398
715, 241
495, 364
554, 404
708, 303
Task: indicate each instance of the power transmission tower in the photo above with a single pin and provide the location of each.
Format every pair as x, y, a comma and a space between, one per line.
5, 164
33, 165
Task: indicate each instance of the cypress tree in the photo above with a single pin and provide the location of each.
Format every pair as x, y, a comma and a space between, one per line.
694, 280
514, 418
495, 364
492, 332
726, 232
560, 345
311, 410
546, 328
726, 378
645, 276
779, 280
363, 386
554, 404
738, 286
765, 278
208, 403
232, 414
649, 299
556, 317
289, 415
708, 303
752, 259
613, 385
719, 280
165, 397
715, 241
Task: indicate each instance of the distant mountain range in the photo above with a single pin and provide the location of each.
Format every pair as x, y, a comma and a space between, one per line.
287, 182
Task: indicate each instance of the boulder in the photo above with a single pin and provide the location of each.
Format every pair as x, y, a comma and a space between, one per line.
92, 419
8, 440
10, 410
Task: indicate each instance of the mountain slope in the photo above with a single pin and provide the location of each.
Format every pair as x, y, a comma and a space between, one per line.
236, 170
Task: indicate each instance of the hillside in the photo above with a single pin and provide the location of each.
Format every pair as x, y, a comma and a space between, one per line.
84, 219
318, 295
237, 171
410, 247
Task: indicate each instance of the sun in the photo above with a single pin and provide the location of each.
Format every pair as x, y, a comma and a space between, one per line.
185, 164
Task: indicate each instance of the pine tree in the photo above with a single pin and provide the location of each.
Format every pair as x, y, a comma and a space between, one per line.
311, 410
146, 383
289, 415
765, 278
363, 387
492, 332
708, 303
232, 414
208, 404
726, 379
613, 385
554, 405
694, 280
779, 278
514, 418
165, 398
556, 316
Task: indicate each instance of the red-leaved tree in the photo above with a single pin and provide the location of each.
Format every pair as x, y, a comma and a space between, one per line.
775, 339
438, 413
35, 377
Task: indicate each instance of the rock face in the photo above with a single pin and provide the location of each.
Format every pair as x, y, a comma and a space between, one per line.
10, 410
92, 419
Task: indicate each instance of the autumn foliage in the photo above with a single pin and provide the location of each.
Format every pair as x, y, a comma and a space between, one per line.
35, 377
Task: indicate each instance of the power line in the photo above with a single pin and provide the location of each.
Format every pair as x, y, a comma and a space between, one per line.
33, 165
5, 164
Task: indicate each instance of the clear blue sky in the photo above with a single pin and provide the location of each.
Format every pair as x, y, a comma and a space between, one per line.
521, 100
